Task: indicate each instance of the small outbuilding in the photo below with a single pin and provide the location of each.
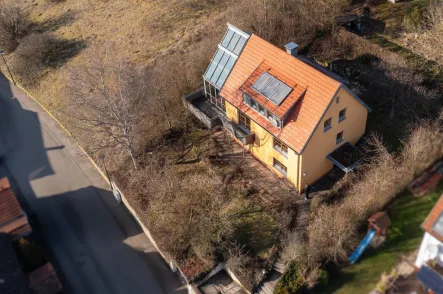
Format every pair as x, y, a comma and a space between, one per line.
379, 222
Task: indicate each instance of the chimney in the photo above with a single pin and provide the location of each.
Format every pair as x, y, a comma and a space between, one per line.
292, 48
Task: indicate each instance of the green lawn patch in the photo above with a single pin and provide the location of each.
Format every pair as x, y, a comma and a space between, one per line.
407, 213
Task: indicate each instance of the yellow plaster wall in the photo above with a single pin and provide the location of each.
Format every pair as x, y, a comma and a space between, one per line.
263, 147
231, 112
292, 164
313, 159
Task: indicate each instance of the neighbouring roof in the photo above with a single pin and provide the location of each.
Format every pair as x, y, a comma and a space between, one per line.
12, 278
433, 223
430, 279
346, 157
312, 91
13, 220
380, 220
44, 280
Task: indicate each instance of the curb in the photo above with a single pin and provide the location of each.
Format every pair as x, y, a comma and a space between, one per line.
62, 126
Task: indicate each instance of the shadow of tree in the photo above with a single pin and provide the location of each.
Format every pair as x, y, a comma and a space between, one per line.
399, 96
53, 24
39, 52
59, 51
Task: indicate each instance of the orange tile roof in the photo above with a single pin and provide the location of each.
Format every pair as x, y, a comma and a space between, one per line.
314, 90
432, 218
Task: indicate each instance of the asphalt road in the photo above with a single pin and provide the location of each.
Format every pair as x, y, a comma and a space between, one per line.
97, 245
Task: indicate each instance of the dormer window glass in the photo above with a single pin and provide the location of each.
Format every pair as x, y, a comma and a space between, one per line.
272, 118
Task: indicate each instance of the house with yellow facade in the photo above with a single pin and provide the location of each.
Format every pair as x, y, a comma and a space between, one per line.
290, 113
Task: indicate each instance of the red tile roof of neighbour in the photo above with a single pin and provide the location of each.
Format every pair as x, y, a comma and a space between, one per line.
432, 217
44, 280
13, 220
313, 90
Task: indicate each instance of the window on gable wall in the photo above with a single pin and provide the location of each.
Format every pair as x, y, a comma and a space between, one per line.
339, 138
280, 167
328, 124
342, 115
280, 147
337, 99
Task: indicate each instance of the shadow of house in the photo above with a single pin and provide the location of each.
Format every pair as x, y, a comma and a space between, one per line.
92, 239
13, 280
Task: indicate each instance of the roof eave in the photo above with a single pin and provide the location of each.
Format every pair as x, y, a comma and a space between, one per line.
356, 97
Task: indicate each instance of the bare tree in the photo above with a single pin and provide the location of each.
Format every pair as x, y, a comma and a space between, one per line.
108, 99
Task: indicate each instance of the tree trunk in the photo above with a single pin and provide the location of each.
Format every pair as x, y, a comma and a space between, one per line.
131, 153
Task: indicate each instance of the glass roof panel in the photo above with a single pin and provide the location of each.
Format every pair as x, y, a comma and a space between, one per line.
224, 59
228, 67
220, 67
213, 64
241, 43
233, 42
227, 38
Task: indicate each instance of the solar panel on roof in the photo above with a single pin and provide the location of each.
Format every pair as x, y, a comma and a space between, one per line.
224, 59
262, 81
272, 88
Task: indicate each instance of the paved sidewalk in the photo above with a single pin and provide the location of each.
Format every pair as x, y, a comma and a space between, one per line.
96, 242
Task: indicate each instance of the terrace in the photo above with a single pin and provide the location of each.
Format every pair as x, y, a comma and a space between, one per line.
212, 116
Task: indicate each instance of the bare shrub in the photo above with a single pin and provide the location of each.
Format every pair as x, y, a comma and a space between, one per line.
14, 25
283, 21
413, 18
186, 213
38, 53
404, 89
334, 227
244, 266
431, 41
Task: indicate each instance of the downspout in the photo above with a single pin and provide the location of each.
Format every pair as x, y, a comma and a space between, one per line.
299, 173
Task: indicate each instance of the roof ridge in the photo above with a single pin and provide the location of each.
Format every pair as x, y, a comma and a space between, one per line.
298, 59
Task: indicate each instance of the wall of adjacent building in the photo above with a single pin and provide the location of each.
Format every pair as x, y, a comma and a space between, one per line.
429, 249
314, 163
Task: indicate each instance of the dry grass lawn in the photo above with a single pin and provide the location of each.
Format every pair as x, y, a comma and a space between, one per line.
139, 31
